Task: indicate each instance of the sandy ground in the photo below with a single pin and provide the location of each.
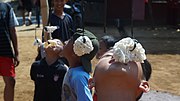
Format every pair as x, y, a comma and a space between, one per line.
165, 82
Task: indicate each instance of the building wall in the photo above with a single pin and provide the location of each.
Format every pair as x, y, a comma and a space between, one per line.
94, 13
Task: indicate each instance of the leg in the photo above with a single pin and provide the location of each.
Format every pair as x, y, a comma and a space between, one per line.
9, 88
38, 15
30, 14
23, 16
44, 11
120, 27
29, 17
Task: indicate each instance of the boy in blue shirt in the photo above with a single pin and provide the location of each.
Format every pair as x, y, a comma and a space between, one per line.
79, 51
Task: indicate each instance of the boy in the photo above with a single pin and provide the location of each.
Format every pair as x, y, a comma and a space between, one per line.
8, 55
62, 20
105, 44
48, 73
122, 73
79, 51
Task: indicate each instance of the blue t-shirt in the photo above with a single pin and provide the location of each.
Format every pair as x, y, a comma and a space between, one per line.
75, 85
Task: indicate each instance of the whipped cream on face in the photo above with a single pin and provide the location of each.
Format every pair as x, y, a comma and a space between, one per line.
54, 42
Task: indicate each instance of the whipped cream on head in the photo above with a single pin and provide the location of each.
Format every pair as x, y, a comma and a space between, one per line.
127, 50
82, 45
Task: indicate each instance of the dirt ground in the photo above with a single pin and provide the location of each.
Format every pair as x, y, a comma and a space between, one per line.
165, 75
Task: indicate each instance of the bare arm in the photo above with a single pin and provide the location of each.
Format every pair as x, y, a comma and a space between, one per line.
44, 11
15, 45
46, 36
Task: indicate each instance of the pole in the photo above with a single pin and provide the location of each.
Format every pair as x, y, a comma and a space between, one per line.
132, 20
105, 15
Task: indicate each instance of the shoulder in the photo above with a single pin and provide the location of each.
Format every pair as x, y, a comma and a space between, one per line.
39, 65
36, 63
80, 74
62, 65
68, 16
53, 17
6, 6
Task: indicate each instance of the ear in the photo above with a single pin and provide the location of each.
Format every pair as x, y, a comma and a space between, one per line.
91, 83
144, 86
111, 61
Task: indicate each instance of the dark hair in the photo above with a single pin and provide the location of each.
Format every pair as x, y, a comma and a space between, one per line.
109, 41
147, 70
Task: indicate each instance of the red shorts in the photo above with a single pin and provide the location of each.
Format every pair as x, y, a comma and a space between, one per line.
7, 67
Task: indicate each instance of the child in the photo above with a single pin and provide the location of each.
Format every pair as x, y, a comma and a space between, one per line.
61, 25
122, 73
62, 20
105, 44
79, 51
48, 73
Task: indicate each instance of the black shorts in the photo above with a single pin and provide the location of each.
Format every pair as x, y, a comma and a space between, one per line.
26, 5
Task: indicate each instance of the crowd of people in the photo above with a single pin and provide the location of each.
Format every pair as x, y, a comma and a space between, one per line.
64, 73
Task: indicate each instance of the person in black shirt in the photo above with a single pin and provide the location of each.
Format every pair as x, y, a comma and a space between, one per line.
62, 20
48, 73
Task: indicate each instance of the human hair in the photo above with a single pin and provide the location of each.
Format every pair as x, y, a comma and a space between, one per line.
109, 41
147, 70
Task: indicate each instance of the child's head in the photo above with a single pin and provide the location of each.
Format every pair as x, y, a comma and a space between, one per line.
53, 47
59, 4
82, 47
131, 77
105, 43
126, 66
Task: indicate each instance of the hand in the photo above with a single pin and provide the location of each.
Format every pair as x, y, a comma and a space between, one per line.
91, 83
16, 61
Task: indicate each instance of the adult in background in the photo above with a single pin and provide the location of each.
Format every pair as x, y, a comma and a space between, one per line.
37, 9
45, 11
8, 53
26, 5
